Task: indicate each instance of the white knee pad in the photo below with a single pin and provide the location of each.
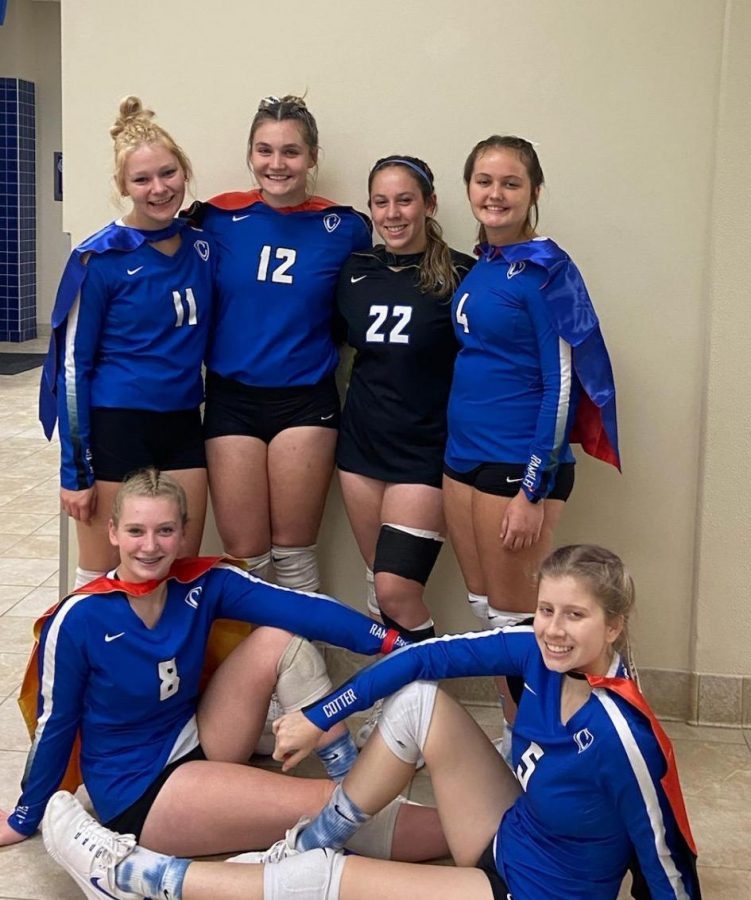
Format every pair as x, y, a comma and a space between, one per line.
499, 618
375, 837
260, 566
84, 576
301, 675
406, 719
315, 875
373, 608
296, 567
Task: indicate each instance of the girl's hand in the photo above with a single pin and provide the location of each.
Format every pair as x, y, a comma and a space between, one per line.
522, 523
9, 835
79, 505
296, 736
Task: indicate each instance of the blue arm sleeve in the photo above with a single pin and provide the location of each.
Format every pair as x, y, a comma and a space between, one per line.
632, 770
451, 656
314, 616
556, 409
79, 348
63, 673
362, 238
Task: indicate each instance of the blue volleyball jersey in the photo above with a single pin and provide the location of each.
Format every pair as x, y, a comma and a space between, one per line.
533, 372
135, 337
276, 278
593, 788
513, 397
132, 691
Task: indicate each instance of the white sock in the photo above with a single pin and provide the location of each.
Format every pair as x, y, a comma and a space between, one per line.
84, 576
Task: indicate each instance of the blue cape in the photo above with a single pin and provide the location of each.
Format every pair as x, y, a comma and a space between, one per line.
574, 319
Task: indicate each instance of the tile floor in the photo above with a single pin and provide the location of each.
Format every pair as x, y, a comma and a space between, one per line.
715, 764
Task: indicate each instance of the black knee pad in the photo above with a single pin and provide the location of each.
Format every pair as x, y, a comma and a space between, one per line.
415, 635
405, 554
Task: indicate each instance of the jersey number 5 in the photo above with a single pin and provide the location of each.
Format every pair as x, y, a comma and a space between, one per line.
279, 274
403, 314
169, 680
528, 763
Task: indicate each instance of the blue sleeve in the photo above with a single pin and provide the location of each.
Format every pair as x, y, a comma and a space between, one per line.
451, 656
314, 616
63, 673
631, 767
362, 238
78, 351
556, 409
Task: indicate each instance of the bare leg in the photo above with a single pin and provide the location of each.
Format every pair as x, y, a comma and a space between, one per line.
194, 483
473, 788
240, 493
457, 504
95, 552
363, 879
219, 807
300, 465
232, 710
362, 501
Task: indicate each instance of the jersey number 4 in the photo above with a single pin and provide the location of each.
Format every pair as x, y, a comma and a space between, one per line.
402, 314
461, 316
279, 273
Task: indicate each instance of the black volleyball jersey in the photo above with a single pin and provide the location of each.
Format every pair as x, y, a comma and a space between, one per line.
394, 422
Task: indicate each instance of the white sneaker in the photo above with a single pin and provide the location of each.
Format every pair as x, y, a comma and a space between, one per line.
369, 725
86, 850
276, 852
267, 740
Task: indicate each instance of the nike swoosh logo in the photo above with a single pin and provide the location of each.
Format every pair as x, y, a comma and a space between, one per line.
95, 882
513, 480
113, 637
240, 218
343, 815
530, 689
133, 271
326, 418
354, 280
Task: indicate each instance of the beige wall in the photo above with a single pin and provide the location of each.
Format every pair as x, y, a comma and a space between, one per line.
623, 99
30, 49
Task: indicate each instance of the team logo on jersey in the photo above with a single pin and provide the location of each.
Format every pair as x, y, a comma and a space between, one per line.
331, 222
584, 739
515, 269
193, 595
203, 249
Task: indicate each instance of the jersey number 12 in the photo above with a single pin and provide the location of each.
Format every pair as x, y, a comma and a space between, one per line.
278, 274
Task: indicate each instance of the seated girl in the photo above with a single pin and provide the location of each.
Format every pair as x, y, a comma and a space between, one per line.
120, 664
595, 786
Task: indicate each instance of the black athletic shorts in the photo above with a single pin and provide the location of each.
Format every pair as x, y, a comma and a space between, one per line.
487, 864
124, 440
131, 820
260, 412
504, 479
